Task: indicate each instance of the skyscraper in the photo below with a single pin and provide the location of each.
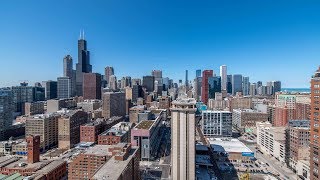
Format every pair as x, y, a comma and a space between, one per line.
83, 65
214, 86
187, 81
197, 87
205, 85
113, 104
51, 89
136, 92
245, 86
157, 74
148, 83
64, 87
236, 83
276, 85
253, 90
112, 84
229, 84
108, 71
92, 86
183, 139
314, 127
223, 75
69, 72
67, 66
198, 73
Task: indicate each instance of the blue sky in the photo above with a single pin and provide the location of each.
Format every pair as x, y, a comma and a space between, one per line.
269, 40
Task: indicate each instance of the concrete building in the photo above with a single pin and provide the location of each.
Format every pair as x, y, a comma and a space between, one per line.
216, 123
119, 133
271, 140
64, 87
91, 86
51, 89
46, 126
108, 71
223, 75
90, 105
183, 137
112, 84
55, 105
32, 108
205, 85
69, 127
146, 135
245, 119
113, 104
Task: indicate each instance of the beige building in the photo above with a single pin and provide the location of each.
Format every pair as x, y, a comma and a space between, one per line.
69, 128
271, 140
183, 139
245, 119
113, 104
241, 103
128, 91
46, 126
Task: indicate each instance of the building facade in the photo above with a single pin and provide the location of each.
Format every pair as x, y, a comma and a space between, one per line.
216, 123
183, 138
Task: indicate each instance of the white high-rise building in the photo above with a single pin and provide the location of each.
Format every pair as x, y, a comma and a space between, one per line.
183, 139
223, 75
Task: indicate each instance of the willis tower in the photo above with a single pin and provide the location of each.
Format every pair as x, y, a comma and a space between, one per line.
83, 65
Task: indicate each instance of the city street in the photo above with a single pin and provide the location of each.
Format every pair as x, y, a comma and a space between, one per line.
275, 166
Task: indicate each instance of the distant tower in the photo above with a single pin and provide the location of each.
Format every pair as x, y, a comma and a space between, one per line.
83, 65
33, 145
187, 82
223, 75
108, 71
198, 73
205, 85
67, 66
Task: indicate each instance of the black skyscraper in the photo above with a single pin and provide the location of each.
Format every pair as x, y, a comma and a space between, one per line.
148, 83
83, 65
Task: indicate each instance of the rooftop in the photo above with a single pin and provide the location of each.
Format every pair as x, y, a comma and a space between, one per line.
147, 124
102, 150
228, 145
113, 168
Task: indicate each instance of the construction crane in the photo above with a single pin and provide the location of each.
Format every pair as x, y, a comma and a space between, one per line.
245, 176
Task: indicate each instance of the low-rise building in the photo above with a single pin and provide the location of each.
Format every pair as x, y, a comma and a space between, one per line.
90, 105
147, 136
119, 133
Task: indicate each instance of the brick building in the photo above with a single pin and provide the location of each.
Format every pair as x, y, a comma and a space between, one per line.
119, 133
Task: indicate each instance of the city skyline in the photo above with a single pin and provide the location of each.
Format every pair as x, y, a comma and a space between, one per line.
278, 37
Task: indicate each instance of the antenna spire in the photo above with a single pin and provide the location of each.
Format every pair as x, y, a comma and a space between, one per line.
83, 34
80, 35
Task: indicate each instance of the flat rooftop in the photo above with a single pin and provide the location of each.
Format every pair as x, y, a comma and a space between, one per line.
112, 169
228, 145
147, 124
102, 150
